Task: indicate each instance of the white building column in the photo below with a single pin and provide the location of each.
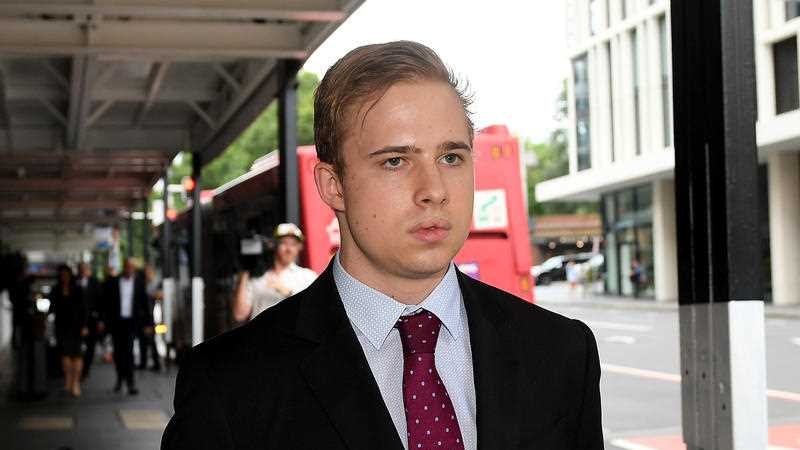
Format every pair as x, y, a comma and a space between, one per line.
784, 224
665, 242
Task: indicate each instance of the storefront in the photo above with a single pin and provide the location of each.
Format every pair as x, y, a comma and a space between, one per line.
628, 232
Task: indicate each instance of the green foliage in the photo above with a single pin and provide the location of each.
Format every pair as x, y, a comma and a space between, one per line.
260, 138
552, 162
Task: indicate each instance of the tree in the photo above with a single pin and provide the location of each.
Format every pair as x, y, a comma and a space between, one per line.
260, 138
553, 162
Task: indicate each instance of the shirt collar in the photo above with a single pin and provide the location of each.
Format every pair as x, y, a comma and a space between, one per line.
375, 313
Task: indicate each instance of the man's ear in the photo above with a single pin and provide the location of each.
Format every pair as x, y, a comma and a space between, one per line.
329, 186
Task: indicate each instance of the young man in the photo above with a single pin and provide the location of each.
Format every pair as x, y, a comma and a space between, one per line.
392, 347
284, 278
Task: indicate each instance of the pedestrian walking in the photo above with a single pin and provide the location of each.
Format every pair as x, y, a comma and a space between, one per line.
71, 313
126, 310
91, 290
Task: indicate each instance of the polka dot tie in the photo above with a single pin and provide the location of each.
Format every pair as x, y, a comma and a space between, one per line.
430, 416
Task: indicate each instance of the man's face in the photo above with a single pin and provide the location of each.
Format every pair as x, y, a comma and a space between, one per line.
408, 181
128, 269
288, 250
85, 270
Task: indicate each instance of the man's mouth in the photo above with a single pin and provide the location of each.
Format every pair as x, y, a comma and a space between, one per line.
433, 230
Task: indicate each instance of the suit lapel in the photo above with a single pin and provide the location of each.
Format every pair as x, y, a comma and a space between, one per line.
338, 373
494, 367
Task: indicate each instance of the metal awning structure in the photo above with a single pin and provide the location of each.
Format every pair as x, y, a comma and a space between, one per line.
98, 96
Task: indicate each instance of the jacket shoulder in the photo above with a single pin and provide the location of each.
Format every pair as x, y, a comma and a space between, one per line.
524, 317
267, 333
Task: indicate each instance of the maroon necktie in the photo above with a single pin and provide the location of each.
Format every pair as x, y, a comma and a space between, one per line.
430, 416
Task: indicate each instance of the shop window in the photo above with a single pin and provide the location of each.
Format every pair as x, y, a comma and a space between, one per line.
787, 97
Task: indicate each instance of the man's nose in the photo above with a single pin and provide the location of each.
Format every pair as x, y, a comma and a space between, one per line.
430, 187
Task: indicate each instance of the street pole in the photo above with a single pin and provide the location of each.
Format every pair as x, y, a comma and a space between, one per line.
287, 134
716, 191
197, 246
146, 231
168, 284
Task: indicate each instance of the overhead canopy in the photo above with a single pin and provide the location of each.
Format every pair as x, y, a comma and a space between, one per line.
96, 97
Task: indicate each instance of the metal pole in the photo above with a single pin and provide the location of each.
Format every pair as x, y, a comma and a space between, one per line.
721, 310
168, 284
287, 135
146, 231
129, 249
197, 262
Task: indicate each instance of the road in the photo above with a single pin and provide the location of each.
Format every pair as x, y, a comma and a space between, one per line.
640, 386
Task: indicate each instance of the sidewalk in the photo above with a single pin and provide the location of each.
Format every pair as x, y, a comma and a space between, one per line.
559, 294
99, 419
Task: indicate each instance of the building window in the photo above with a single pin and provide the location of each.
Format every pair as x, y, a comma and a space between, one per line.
666, 101
628, 229
595, 9
792, 9
784, 55
610, 74
580, 67
636, 113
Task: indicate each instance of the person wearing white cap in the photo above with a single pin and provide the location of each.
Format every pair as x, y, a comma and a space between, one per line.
284, 278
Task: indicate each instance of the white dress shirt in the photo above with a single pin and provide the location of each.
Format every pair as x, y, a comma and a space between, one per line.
262, 296
373, 316
126, 297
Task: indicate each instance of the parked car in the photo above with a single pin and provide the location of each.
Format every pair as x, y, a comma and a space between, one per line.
555, 268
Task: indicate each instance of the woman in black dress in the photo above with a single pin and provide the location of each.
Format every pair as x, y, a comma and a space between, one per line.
71, 321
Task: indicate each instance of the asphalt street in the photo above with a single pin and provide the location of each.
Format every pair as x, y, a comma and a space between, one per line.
640, 357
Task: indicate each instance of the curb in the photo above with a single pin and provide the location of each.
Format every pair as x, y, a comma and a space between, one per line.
772, 312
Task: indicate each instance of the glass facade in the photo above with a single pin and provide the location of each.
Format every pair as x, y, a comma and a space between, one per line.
628, 231
595, 9
792, 10
666, 101
580, 67
635, 75
610, 96
787, 97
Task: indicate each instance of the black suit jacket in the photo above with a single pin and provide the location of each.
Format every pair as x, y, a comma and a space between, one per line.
295, 377
92, 295
139, 311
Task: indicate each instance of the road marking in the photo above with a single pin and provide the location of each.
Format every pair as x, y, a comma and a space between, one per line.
44, 423
628, 445
641, 373
675, 378
618, 326
143, 419
621, 339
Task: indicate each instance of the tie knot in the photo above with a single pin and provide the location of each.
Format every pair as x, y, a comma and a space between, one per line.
419, 332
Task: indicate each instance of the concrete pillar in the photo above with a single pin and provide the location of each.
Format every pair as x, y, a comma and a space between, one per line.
665, 245
784, 222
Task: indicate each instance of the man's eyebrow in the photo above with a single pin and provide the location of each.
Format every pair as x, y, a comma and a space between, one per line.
454, 145
445, 146
394, 149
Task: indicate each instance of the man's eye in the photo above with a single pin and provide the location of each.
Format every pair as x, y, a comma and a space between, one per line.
393, 162
452, 159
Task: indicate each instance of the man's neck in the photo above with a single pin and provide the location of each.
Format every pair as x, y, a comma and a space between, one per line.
279, 266
407, 290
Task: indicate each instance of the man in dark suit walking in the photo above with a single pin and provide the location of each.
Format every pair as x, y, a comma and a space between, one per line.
392, 347
125, 314
91, 291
